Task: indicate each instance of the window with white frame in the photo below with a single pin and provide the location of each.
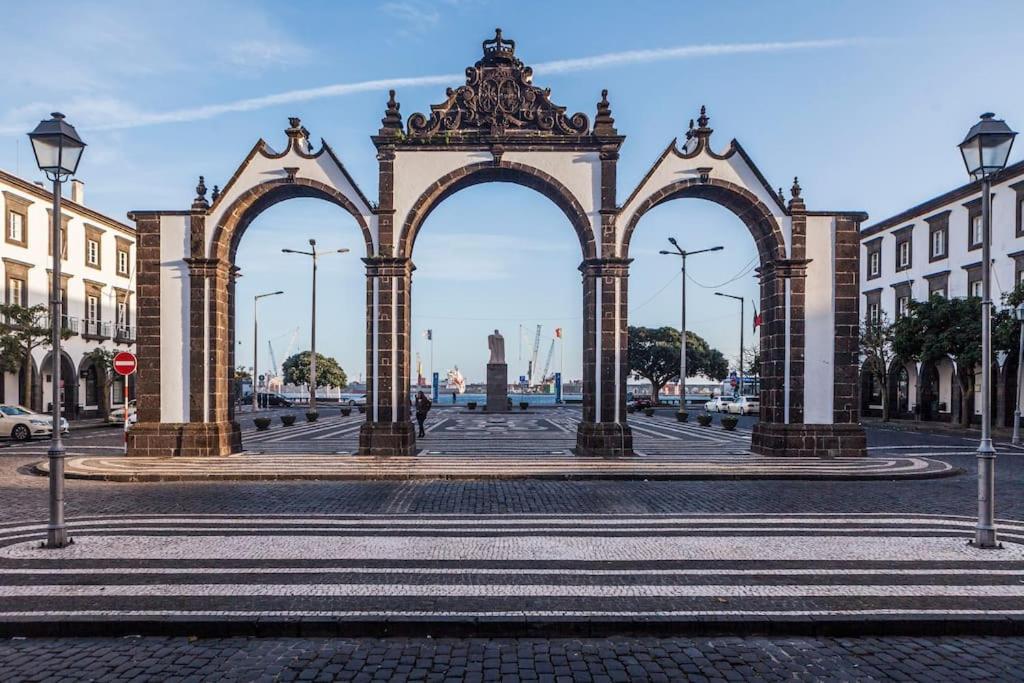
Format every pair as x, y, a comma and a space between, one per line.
15, 291
902, 305
92, 308
92, 252
874, 263
122, 262
874, 312
977, 231
903, 254
122, 313
15, 227
938, 243
976, 288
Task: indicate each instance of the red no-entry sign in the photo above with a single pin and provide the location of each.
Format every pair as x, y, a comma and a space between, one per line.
125, 363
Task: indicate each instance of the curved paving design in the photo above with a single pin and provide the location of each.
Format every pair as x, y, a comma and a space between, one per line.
492, 466
377, 572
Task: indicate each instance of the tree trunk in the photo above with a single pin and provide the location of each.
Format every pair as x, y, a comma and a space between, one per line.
966, 394
885, 400
104, 405
26, 385
655, 390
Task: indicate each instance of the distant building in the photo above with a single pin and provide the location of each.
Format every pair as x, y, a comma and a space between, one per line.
935, 248
97, 286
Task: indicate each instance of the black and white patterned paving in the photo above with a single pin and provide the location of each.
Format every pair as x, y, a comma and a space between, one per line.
511, 567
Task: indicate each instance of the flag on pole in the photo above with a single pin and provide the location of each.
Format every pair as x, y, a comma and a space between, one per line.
429, 334
757, 319
558, 332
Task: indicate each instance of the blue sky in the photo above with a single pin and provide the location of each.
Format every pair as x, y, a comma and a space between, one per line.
867, 112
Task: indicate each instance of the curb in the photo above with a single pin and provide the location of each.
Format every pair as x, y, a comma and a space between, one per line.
37, 469
512, 627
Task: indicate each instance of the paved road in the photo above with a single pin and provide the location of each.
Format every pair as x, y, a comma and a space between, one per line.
599, 660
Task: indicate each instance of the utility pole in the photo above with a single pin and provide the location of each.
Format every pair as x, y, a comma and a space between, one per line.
682, 346
255, 349
743, 315
315, 255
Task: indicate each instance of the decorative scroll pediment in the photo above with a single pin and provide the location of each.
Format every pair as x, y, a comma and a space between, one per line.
499, 97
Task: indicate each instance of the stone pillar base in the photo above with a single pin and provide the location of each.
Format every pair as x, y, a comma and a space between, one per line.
185, 439
497, 388
809, 440
387, 438
604, 439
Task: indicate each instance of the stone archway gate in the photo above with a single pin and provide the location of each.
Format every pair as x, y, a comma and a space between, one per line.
498, 127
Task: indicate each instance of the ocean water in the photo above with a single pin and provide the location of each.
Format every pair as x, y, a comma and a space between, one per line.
532, 399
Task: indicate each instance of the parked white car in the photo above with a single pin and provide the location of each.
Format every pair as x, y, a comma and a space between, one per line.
116, 415
21, 424
719, 404
745, 405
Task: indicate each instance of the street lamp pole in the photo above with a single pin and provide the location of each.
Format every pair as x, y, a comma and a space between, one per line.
682, 345
58, 150
1018, 313
315, 255
256, 349
743, 315
985, 151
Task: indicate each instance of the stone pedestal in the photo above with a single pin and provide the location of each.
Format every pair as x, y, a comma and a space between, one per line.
497, 387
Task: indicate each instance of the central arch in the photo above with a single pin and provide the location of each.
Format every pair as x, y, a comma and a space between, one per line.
497, 172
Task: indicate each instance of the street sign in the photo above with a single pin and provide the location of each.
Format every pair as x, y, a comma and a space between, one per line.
125, 363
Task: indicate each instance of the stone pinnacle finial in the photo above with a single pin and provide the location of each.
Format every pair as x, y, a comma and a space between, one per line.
689, 131
604, 124
795, 190
703, 119
391, 124
200, 201
215, 193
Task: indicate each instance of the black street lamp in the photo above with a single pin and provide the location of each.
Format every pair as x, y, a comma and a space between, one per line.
682, 345
58, 150
986, 150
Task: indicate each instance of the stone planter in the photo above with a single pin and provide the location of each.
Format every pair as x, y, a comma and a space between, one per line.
649, 412
682, 416
345, 412
312, 415
704, 420
262, 423
729, 422
362, 409
471, 405
523, 405
287, 420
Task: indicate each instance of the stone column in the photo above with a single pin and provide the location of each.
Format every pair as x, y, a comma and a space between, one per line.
604, 430
388, 429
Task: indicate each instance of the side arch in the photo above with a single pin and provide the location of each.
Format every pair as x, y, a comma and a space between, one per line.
502, 172
767, 234
257, 199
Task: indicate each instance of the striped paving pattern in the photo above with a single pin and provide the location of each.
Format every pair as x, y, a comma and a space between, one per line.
495, 466
511, 568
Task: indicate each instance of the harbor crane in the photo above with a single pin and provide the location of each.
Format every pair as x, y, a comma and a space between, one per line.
275, 369
533, 359
547, 363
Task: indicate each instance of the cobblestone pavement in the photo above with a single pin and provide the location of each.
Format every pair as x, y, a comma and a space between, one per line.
597, 660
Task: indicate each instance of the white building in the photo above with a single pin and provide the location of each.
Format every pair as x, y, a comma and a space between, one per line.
97, 283
935, 248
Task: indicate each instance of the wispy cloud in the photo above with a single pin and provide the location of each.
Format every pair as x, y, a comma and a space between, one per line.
132, 118
414, 17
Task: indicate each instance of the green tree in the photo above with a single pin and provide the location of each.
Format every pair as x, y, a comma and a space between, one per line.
940, 328
876, 343
328, 371
22, 330
753, 358
103, 360
653, 353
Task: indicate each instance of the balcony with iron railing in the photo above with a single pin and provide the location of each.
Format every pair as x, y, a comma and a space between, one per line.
69, 323
124, 334
95, 329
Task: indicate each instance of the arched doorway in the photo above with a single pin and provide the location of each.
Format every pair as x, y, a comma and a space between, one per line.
69, 384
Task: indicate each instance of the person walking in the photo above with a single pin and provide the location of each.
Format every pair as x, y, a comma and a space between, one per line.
422, 408
454, 395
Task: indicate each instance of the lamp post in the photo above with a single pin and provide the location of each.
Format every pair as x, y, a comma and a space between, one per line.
256, 348
743, 315
985, 151
682, 346
315, 255
58, 150
1018, 313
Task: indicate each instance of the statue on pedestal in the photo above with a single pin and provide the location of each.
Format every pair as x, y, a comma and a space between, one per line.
496, 344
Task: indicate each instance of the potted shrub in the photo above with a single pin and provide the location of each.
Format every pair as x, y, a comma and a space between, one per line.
346, 411
362, 408
523, 405
729, 422
312, 415
649, 412
704, 420
471, 405
262, 423
287, 420
682, 416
